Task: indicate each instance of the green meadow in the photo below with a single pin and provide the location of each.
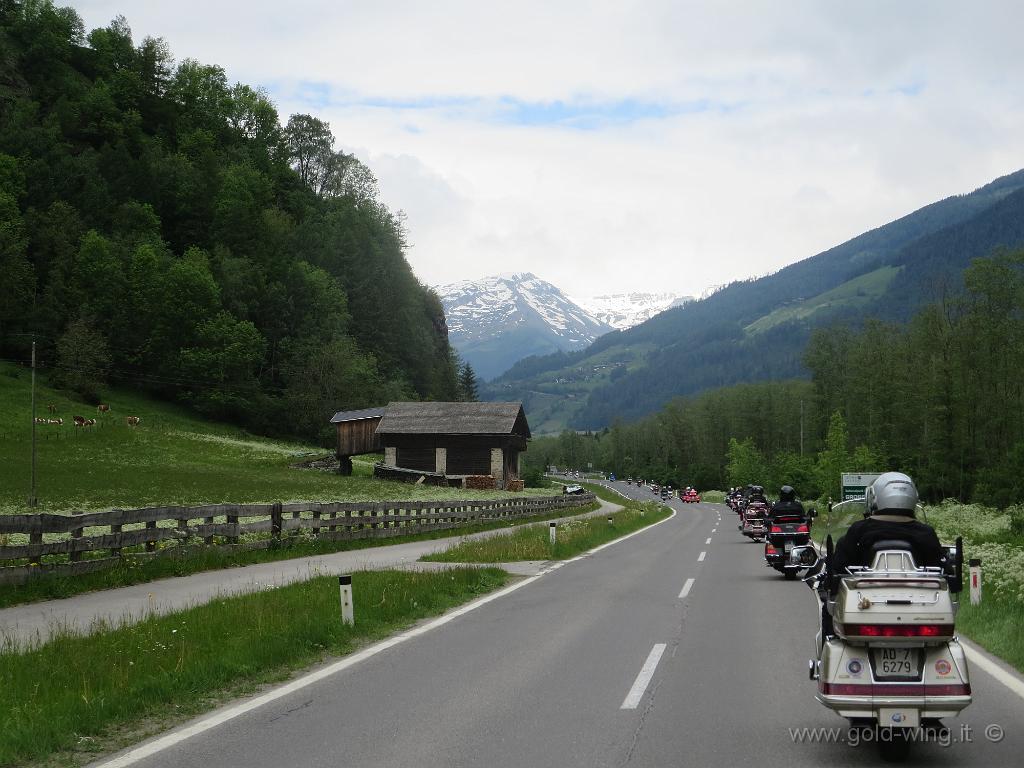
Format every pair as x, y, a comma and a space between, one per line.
171, 457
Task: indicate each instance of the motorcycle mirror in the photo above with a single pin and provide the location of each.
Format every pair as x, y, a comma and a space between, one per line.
812, 512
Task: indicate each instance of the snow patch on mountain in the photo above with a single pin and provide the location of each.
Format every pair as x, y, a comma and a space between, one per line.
496, 321
624, 310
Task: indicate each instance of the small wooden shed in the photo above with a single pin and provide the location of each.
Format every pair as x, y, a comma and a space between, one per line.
356, 435
455, 439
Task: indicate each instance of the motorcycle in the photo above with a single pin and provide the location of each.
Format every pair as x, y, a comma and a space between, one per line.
786, 533
892, 664
754, 516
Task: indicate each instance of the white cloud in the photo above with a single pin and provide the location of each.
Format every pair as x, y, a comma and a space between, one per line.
632, 145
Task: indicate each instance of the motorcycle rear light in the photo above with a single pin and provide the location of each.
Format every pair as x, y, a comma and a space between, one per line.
895, 630
802, 529
769, 549
776, 529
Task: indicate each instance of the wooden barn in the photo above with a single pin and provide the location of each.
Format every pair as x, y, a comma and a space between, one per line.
455, 440
356, 435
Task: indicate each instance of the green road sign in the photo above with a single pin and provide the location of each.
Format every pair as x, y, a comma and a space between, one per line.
855, 483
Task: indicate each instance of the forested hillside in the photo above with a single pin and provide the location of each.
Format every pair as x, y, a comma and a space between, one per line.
161, 228
939, 397
757, 329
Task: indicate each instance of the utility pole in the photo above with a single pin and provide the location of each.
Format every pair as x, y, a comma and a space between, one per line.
32, 492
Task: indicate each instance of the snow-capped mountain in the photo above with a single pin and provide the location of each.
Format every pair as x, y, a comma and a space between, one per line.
496, 321
624, 310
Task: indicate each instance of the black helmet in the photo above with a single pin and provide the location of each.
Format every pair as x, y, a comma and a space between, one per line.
786, 493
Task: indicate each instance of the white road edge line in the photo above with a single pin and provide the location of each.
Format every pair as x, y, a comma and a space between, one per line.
148, 749
632, 700
981, 659
686, 588
702, 556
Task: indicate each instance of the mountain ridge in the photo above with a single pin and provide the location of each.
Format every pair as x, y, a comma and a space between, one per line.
704, 344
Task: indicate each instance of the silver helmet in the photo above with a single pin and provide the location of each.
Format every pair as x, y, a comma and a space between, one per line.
892, 493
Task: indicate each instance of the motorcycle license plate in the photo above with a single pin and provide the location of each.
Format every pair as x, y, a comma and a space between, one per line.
788, 547
897, 663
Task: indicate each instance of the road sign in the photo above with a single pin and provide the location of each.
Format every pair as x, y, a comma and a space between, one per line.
855, 483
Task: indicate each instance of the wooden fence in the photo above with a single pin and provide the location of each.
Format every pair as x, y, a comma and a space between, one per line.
75, 544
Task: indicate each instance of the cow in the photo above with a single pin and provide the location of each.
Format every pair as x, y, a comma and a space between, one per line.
102, 408
133, 421
79, 421
90, 422
51, 408
58, 422
40, 420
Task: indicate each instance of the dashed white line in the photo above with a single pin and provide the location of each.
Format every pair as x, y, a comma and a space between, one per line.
708, 540
632, 700
702, 556
686, 588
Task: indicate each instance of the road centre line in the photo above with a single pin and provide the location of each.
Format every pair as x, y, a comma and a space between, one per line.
708, 541
686, 588
148, 749
632, 700
702, 556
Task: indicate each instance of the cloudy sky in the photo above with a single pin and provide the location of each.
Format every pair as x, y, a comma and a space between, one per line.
612, 146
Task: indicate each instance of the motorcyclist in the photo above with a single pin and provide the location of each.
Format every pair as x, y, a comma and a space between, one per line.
891, 503
787, 505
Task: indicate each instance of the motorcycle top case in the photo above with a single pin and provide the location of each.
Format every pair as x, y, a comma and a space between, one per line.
885, 608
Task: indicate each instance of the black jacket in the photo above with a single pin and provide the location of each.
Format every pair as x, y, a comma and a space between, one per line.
855, 547
788, 509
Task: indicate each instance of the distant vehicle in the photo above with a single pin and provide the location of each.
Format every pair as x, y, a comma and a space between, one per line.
611, 477
655, 488
573, 489
690, 496
629, 481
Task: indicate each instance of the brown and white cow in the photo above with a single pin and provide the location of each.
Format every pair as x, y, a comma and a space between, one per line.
79, 421
133, 421
102, 408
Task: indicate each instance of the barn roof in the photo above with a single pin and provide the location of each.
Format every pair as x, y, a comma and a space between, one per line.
454, 419
366, 413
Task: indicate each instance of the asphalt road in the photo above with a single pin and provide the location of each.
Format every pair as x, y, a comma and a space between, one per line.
541, 676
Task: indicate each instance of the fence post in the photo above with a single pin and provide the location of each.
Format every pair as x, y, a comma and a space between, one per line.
347, 609
151, 545
35, 538
208, 540
275, 520
552, 533
115, 529
75, 555
975, 566
233, 521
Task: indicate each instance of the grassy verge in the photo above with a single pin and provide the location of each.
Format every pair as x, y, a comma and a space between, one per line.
86, 694
604, 493
138, 571
997, 625
532, 542
713, 497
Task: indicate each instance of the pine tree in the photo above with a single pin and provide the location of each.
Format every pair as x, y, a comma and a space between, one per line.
467, 384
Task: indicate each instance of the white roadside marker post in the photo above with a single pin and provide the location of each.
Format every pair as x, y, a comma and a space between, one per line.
975, 569
345, 588
552, 533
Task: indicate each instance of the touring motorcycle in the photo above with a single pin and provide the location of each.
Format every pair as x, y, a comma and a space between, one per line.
892, 664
